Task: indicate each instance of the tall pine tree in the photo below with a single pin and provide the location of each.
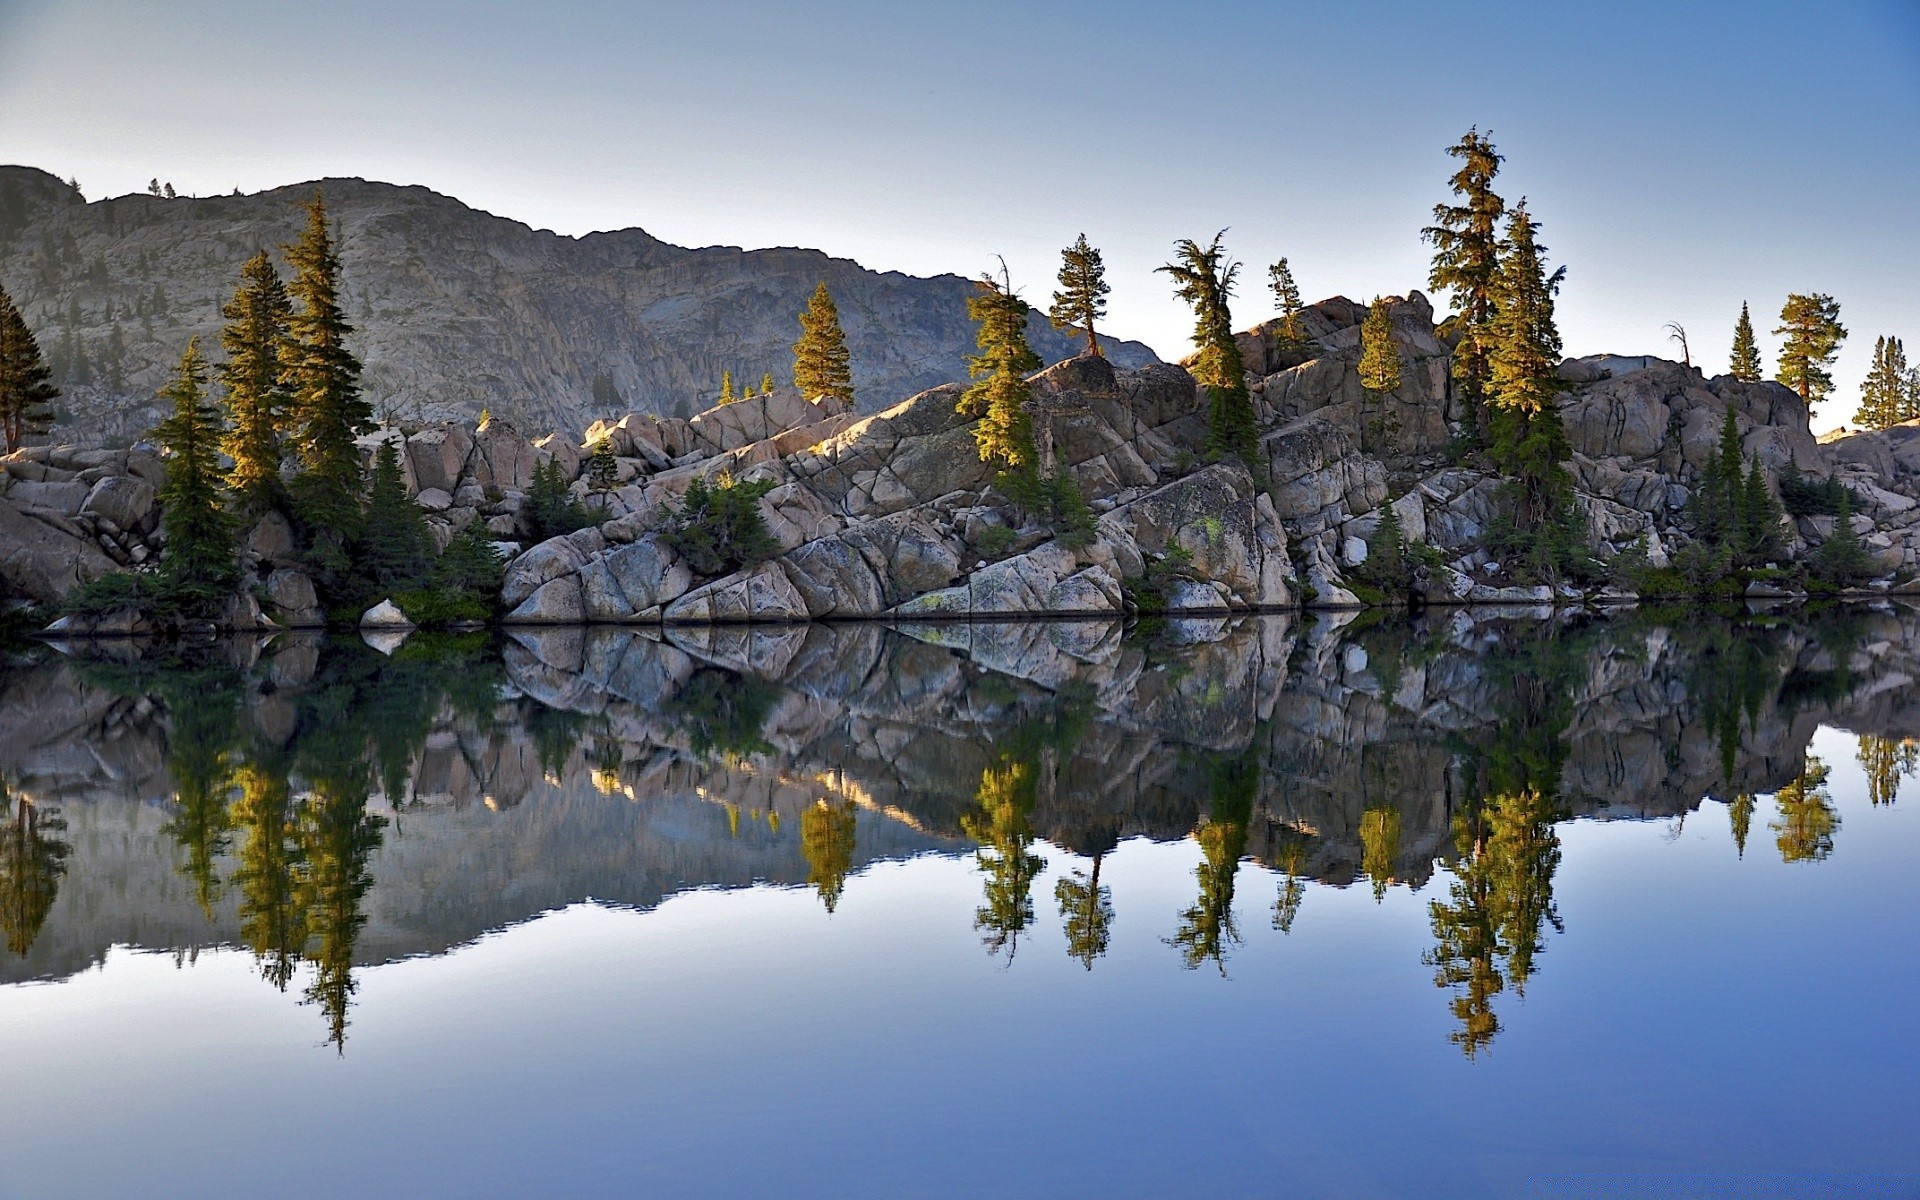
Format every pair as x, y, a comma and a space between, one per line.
26, 387
1379, 356
821, 365
323, 377
1529, 442
1082, 298
1204, 278
1286, 297
259, 405
1000, 397
1466, 260
1811, 324
198, 562
1883, 397
1746, 352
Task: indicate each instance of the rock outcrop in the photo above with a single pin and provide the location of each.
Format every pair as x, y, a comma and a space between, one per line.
457, 310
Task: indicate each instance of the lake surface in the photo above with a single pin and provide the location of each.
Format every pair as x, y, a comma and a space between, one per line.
1468, 905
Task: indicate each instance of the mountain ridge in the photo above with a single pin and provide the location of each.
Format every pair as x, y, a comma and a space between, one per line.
460, 310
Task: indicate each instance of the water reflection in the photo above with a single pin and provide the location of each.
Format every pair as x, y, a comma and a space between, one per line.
327, 806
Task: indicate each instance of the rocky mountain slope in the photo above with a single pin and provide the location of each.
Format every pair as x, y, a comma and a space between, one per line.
459, 310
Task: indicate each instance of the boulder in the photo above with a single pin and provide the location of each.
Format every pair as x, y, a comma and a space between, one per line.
385, 615
434, 499
503, 458
833, 579
438, 456
126, 500
64, 498
558, 601
545, 562
42, 563
761, 594
295, 604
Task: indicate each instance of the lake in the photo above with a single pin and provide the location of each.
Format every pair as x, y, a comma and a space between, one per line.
1468, 904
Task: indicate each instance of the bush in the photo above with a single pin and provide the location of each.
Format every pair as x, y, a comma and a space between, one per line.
1056, 499
1805, 497
1151, 590
551, 508
431, 607
993, 541
718, 527
1841, 561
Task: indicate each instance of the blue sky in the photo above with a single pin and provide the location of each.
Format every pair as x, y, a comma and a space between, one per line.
1683, 157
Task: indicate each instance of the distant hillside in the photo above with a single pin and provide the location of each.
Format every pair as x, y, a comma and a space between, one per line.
459, 310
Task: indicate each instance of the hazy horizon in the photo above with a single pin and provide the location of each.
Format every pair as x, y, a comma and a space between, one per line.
1681, 162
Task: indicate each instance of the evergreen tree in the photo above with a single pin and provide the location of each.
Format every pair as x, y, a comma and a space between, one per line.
999, 398
26, 387
1841, 560
323, 377
827, 835
257, 400
1082, 298
1746, 352
1286, 297
1884, 396
1379, 356
1529, 442
1760, 519
1716, 506
1204, 278
198, 563
766, 384
1813, 331
821, 364
470, 566
1086, 912
1466, 260
551, 508
395, 546
603, 470
726, 388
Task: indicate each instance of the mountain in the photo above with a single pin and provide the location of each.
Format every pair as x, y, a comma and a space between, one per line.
459, 310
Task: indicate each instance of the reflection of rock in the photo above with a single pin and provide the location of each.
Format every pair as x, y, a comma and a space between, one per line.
385, 639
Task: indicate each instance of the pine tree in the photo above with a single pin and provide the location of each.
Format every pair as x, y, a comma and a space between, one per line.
1204, 278
1523, 352
198, 563
1466, 260
257, 400
821, 365
1746, 352
470, 567
1813, 331
1379, 356
766, 384
1082, 298
1286, 296
395, 547
26, 387
323, 377
603, 469
1760, 519
999, 398
1884, 396
726, 388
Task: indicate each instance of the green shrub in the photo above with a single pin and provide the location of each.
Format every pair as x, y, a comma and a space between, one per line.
1841, 561
718, 528
1150, 591
993, 541
1056, 499
1806, 497
433, 607
552, 510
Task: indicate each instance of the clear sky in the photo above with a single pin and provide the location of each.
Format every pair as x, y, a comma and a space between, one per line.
1682, 156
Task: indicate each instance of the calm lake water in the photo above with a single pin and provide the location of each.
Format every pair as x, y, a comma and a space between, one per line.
1485, 905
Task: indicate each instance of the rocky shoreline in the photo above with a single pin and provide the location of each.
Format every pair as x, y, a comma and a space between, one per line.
894, 516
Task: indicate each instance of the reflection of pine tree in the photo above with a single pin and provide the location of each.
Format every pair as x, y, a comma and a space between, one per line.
338, 836
1291, 855
1207, 929
1807, 821
1086, 911
1886, 763
33, 857
1740, 814
1003, 827
1489, 929
826, 838
272, 923
198, 743
1379, 846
